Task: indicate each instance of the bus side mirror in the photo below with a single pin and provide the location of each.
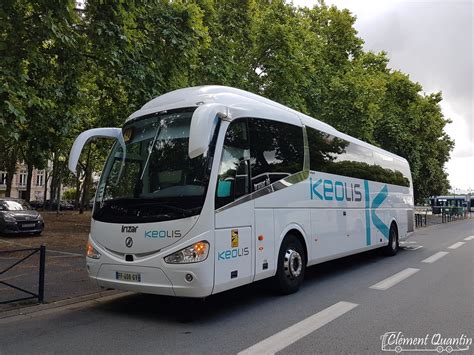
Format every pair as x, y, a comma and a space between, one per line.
84, 137
203, 123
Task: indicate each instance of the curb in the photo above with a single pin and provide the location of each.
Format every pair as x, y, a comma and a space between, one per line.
23, 312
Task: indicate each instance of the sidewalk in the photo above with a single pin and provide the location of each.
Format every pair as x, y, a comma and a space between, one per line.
65, 237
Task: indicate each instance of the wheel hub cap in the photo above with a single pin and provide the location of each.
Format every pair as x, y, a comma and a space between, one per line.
293, 264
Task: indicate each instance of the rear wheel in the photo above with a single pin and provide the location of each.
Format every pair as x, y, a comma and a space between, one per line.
291, 265
392, 247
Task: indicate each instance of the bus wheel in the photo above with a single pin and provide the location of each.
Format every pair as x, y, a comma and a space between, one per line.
392, 247
291, 266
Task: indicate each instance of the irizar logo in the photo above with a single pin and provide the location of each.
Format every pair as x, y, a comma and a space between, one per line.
328, 190
163, 234
232, 253
129, 229
128, 242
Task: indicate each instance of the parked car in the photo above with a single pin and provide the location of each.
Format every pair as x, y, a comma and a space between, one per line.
63, 205
37, 204
18, 217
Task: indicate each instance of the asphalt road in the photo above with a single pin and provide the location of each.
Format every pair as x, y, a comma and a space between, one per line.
344, 306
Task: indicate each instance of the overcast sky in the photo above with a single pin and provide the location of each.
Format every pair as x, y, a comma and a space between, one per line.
432, 41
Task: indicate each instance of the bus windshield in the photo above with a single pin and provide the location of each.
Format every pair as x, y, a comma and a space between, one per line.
153, 179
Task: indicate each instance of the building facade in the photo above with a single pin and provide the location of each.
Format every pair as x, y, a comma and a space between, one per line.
19, 183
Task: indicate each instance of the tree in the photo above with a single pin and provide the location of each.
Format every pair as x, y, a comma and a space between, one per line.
65, 69
37, 68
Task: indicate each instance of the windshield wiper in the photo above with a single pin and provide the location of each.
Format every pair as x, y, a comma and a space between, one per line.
182, 211
150, 150
131, 210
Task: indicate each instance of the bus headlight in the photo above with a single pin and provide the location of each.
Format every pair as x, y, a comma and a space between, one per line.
92, 252
191, 254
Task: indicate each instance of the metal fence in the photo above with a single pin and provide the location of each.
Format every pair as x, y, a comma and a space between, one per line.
420, 219
421, 214
452, 213
31, 251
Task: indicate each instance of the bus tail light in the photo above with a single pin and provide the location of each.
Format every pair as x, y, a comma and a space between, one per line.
92, 252
191, 254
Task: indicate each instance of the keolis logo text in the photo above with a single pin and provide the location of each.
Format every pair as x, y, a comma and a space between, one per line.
163, 234
232, 253
334, 190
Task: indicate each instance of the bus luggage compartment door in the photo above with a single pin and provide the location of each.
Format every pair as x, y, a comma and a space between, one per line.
233, 258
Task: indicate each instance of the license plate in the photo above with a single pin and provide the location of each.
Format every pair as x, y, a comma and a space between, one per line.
28, 225
128, 276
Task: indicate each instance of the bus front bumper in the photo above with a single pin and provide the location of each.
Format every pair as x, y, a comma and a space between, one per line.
151, 280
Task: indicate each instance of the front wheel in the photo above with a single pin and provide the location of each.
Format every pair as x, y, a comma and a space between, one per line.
291, 266
392, 247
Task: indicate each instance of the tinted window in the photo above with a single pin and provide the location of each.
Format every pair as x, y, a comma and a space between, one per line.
233, 180
276, 151
391, 170
334, 155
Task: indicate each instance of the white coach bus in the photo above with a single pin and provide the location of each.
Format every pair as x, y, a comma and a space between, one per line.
209, 188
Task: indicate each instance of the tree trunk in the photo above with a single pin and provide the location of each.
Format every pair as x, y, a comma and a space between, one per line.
78, 189
54, 179
86, 183
29, 178
11, 169
8, 191
58, 199
46, 177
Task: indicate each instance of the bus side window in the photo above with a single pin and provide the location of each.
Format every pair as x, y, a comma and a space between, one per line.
233, 179
277, 151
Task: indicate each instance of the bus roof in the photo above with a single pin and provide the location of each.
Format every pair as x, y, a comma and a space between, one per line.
242, 100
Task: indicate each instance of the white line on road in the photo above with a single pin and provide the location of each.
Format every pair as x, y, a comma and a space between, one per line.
456, 245
393, 280
412, 247
435, 257
471, 237
288, 336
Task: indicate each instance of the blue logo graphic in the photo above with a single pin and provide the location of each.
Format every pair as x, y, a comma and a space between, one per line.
378, 200
376, 203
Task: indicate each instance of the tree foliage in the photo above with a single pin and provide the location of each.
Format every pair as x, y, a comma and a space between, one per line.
64, 69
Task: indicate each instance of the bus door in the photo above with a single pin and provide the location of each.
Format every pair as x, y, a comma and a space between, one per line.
234, 216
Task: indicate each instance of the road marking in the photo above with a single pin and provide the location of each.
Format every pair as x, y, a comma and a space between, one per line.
288, 336
393, 280
456, 245
412, 247
435, 257
471, 237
